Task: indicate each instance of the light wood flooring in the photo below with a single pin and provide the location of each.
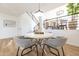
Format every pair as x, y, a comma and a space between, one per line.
9, 48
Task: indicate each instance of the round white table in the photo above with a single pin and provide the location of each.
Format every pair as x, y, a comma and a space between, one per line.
39, 37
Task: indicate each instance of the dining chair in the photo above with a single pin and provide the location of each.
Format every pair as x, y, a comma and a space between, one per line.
24, 43
63, 24
55, 43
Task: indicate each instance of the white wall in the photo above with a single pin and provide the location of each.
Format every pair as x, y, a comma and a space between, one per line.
6, 32
26, 24
71, 35
52, 13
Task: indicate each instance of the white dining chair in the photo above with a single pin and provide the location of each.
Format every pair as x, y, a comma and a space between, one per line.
24, 43
55, 43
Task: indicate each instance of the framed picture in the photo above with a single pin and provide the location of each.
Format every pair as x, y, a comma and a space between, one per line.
9, 23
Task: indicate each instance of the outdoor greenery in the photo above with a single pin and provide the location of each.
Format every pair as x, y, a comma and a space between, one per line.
73, 8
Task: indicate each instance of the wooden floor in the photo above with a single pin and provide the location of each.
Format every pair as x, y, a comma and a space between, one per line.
9, 48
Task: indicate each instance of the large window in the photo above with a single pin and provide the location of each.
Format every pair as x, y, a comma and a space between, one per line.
63, 22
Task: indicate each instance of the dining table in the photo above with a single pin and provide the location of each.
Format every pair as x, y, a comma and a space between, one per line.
39, 37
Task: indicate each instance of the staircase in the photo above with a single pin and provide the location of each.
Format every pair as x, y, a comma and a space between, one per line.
36, 27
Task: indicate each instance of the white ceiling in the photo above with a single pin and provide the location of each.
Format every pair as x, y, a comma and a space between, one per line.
17, 9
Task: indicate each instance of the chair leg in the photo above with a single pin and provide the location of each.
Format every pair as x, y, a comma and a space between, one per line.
29, 51
43, 50
51, 51
58, 52
25, 53
55, 49
36, 49
17, 51
66, 27
63, 51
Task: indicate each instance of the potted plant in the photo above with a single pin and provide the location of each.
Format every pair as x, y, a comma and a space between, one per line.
73, 9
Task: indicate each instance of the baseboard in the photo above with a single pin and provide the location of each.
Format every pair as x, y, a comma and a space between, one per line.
6, 38
72, 45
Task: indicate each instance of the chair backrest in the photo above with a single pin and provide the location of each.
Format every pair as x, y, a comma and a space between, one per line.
22, 42
58, 41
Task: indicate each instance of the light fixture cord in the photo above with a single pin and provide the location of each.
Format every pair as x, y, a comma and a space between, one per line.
39, 6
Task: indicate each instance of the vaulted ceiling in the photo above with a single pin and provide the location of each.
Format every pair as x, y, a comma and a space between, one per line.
17, 9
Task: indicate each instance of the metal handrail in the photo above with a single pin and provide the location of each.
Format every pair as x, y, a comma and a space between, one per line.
62, 16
